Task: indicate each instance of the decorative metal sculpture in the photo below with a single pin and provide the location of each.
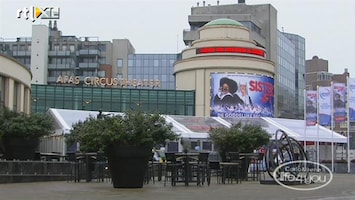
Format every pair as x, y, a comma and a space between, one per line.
283, 149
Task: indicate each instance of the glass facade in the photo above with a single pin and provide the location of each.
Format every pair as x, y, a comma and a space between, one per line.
300, 70
153, 66
175, 102
251, 26
286, 78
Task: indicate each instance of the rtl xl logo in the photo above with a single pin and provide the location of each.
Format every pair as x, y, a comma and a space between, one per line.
34, 12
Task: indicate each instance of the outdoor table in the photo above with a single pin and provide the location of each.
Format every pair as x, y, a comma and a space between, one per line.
186, 159
246, 158
51, 156
230, 170
157, 166
160, 169
88, 160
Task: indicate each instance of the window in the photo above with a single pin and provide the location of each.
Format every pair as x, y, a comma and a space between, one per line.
119, 76
173, 147
102, 60
130, 63
72, 48
119, 63
207, 145
156, 63
101, 73
102, 47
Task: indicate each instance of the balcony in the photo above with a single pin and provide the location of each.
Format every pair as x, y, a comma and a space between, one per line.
21, 53
88, 52
59, 66
59, 53
88, 65
52, 79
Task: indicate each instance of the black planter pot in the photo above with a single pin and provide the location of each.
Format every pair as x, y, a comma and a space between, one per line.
19, 148
128, 165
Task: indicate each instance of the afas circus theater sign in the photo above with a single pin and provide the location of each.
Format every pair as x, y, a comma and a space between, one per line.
104, 81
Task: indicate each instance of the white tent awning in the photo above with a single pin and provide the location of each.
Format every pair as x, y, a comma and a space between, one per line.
198, 127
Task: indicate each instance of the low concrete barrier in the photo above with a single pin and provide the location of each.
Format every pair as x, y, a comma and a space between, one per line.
34, 171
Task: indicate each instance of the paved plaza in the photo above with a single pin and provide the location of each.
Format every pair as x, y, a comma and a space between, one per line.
341, 187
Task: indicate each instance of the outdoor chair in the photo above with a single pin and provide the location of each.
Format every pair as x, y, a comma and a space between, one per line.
232, 169
203, 169
260, 166
149, 174
172, 169
215, 170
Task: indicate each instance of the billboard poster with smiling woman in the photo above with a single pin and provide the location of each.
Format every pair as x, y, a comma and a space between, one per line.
242, 95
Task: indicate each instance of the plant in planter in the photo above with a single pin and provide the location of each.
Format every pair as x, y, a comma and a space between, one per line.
127, 140
20, 133
239, 138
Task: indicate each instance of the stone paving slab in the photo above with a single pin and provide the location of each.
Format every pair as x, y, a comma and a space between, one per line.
341, 187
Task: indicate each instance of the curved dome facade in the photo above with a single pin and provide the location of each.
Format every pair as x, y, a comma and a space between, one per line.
15, 85
224, 49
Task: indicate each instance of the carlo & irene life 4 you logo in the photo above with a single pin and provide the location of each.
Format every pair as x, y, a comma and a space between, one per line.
302, 175
34, 12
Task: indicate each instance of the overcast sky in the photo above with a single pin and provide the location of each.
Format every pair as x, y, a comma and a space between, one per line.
156, 26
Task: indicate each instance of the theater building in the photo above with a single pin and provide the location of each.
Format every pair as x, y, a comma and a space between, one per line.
15, 85
224, 50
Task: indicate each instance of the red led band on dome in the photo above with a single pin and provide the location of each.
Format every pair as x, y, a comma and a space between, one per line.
244, 50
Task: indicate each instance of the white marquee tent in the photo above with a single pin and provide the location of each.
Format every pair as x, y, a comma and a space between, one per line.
194, 127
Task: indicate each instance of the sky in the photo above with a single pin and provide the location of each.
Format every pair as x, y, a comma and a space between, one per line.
156, 26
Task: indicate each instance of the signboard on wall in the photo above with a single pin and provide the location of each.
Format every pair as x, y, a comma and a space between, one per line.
105, 81
241, 95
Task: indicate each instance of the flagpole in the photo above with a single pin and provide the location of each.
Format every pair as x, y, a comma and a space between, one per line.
305, 120
348, 122
332, 121
317, 124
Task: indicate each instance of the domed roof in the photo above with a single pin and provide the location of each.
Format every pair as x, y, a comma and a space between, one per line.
223, 21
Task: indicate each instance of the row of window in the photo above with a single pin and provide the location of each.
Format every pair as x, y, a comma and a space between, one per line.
117, 100
163, 70
153, 56
77, 46
150, 62
58, 47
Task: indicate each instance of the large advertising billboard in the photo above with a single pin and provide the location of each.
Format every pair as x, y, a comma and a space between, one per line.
242, 95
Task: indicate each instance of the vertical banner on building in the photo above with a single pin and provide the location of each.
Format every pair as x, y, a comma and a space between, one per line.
339, 97
311, 107
351, 99
242, 95
324, 102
